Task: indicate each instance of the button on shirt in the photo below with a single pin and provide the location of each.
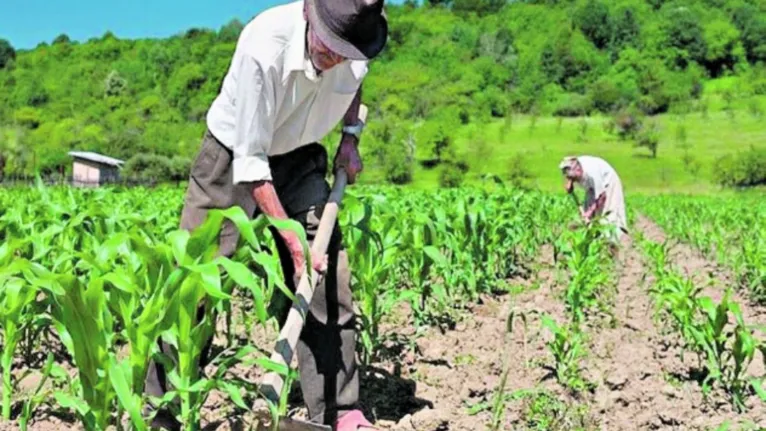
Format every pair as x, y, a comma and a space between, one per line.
272, 100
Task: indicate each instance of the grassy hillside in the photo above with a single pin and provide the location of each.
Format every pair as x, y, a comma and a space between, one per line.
541, 143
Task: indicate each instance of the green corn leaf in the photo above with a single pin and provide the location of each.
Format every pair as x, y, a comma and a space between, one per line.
69, 402
179, 240
240, 220
202, 385
121, 281
435, 255
204, 240
295, 227
757, 385
120, 376
270, 365
245, 278
234, 394
210, 278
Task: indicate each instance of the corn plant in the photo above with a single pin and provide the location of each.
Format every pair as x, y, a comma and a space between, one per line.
567, 348
17, 312
705, 327
372, 254
730, 230
584, 254
728, 352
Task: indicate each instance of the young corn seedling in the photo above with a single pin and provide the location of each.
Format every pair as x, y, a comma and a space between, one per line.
373, 256
422, 255
728, 352
567, 348
200, 283
17, 312
86, 328
583, 252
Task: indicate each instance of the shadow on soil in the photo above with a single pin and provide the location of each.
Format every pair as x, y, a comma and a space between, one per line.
385, 396
234, 424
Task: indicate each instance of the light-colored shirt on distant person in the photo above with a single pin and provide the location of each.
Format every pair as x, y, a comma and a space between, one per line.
600, 177
272, 100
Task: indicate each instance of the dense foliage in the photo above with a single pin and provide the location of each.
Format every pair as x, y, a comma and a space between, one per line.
743, 169
448, 63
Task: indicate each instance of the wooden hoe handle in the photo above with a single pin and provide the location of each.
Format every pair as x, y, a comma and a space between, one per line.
273, 382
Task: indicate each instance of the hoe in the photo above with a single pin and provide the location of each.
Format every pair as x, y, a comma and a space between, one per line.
273, 383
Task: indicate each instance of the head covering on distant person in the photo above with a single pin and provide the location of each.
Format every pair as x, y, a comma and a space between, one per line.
567, 163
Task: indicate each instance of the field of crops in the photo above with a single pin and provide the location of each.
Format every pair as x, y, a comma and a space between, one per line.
481, 308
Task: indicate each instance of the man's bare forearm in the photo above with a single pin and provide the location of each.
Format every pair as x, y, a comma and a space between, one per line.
267, 200
352, 113
599, 203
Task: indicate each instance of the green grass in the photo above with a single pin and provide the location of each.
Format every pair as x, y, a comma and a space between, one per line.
545, 144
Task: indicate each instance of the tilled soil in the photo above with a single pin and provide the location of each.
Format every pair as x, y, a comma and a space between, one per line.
431, 379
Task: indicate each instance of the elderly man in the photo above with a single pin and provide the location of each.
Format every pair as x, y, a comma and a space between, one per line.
296, 73
603, 191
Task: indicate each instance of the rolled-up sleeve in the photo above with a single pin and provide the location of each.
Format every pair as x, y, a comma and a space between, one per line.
255, 113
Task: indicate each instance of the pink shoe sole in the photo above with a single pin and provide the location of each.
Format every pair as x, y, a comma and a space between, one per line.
352, 421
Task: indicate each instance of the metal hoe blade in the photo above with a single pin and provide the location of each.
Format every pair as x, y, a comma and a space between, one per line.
288, 424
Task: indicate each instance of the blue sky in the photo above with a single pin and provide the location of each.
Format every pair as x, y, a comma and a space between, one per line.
25, 23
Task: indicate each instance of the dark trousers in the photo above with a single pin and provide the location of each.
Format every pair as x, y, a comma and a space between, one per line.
326, 350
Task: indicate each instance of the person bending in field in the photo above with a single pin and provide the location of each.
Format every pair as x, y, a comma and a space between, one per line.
603, 192
296, 73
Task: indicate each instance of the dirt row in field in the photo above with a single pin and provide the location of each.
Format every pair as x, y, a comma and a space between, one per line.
432, 378
640, 380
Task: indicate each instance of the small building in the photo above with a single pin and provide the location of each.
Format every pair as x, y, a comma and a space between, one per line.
92, 169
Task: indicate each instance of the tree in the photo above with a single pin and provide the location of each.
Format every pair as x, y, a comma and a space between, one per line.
230, 32
723, 46
649, 137
752, 25
114, 85
479, 7
11, 151
626, 30
594, 21
7, 53
61, 39
684, 33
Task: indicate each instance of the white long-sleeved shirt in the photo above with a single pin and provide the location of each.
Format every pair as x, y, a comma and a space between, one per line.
600, 177
272, 100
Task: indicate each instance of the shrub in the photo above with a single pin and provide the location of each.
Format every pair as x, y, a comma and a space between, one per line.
573, 105
627, 123
179, 168
605, 95
743, 169
148, 167
649, 137
519, 174
398, 163
451, 175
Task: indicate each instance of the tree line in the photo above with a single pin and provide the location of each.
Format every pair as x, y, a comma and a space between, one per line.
448, 63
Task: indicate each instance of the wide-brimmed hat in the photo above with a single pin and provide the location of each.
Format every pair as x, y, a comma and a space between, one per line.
355, 29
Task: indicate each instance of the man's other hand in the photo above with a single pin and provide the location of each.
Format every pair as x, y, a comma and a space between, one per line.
569, 186
348, 158
319, 263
